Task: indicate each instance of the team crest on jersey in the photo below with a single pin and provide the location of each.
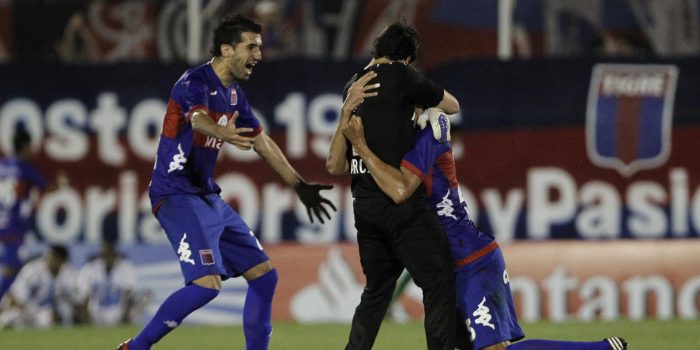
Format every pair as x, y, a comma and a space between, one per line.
628, 117
206, 256
234, 97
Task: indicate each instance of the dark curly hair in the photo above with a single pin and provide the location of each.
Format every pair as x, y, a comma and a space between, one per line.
397, 42
230, 29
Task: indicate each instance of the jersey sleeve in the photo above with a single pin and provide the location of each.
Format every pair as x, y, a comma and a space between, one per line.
246, 117
422, 91
421, 157
191, 93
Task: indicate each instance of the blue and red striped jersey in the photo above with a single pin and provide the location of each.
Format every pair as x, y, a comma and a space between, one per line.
432, 161
185, 159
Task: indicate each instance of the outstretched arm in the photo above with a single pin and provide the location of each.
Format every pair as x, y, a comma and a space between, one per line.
228, 133
398, 184
308, 193
336, 164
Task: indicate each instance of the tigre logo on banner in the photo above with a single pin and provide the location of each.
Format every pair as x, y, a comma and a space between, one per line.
628, 117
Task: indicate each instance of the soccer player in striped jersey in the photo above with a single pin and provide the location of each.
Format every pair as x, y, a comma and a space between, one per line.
19, 178
483, 291
207, 107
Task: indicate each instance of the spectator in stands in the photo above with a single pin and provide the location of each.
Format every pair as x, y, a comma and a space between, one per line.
107, 288
78, 43
42, 294
279, 37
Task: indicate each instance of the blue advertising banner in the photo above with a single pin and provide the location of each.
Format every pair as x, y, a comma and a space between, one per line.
523, 152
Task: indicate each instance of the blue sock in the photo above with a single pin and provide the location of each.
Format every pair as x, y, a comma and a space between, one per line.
173, 310
257, 311
538, 344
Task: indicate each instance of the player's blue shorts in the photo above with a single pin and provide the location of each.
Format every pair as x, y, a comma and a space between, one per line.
485, 301
208, 236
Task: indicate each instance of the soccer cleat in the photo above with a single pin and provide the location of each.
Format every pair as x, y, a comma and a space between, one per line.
616, 343
124, 345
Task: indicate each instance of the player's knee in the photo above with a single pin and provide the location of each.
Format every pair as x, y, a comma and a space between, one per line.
209, 281
258, 270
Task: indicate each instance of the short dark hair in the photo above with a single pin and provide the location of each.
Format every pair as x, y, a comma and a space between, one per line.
21, 139
230, 29
397, 42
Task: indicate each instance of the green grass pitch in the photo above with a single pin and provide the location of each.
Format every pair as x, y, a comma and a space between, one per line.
642, 335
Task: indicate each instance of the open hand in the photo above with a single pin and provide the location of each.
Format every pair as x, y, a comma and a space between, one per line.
311, 197
359, 90
232, 134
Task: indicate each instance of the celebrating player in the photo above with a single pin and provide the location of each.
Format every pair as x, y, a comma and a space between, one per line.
391, 237
483, 290
18, 178
207, 107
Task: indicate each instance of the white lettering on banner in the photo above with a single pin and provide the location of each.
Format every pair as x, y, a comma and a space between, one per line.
99, 202
107, 119
598, 200
64, 122
550, 197
543, 212
290, 112
67, 202
602, 298
68, 122
20, 111
600, 206
634, 84
126, 224
64, 216
145, 124
503, 216
320, 125
601, 210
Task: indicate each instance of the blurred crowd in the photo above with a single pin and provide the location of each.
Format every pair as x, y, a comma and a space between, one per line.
108, 31
50, 291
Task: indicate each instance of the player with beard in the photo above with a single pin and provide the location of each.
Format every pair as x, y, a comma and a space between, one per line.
207, 107
391, 236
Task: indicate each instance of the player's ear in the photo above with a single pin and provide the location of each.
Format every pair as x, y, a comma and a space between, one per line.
226, 50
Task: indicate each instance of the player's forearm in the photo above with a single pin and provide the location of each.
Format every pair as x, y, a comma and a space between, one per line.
272, 154
389, 179
202, 124
336, 163
449, 103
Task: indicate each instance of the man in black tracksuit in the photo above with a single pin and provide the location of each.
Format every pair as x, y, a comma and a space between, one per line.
391, 236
